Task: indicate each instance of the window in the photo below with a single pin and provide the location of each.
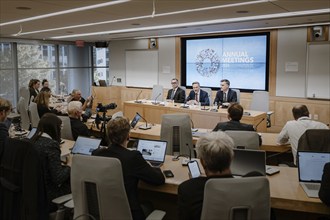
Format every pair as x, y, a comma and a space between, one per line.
101, 64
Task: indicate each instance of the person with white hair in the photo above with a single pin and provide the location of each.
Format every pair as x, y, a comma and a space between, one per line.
77, 126
215, 151
76, 96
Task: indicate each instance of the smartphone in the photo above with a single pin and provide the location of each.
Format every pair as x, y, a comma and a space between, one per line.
168, 173
194, 169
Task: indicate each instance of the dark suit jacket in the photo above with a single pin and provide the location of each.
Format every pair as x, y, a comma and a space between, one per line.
134, 168
231, 97
78, 128
324, 192
190, 197
203, 97
33, 92
233, 125
179, 95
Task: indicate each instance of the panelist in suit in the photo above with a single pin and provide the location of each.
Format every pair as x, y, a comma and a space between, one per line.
235, 113
225, 94
134, 166
197, 95
176, 93
324, 192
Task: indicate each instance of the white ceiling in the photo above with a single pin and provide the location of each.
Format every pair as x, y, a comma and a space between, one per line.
193, 21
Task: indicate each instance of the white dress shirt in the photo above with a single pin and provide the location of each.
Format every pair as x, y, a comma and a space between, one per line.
293, 130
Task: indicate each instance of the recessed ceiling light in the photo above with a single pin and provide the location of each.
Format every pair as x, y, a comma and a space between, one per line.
70, 32
135, 24
23, 8
242, 12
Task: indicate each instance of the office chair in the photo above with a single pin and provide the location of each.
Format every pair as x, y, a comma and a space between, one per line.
24, 92
66, 132
23, 191
245, 139
34, 116
247, 199
157, 93
25, 119
117, 114
209, 92
98, 194
260, 102
176, 130
238, 93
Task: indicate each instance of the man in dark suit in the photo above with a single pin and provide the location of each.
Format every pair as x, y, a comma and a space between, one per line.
324, 192
235, 113
176, 93
197, 95
134, 166
225, 94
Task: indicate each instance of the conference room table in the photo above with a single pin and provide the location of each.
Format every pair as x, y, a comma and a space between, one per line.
201, 116
285, 191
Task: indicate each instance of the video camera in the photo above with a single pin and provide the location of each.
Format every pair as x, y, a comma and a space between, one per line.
104, 108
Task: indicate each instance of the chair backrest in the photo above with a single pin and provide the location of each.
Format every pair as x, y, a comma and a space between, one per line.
24, 92
21, 178
238, 93
209, 92
246, 139
260, 101
66, 132
25, 119
34, 116
176, 130
183, 88
97, 193
157, 92
251, 201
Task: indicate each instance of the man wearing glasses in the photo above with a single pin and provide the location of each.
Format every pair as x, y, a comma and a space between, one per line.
225, 94
176, 93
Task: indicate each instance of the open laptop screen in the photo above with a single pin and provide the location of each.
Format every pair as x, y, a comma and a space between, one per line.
85, 145
152, 150
135, 120
246, 161
311, 165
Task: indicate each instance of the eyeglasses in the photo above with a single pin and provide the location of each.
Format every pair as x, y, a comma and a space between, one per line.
173, 82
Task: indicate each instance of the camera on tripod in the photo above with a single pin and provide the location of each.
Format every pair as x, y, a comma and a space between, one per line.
105, 108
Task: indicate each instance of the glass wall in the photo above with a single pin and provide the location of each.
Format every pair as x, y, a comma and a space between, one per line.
66, 67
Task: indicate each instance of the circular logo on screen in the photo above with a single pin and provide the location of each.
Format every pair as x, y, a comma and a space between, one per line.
207, 63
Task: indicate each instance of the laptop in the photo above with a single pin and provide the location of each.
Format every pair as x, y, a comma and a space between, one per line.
153, 151
135, 120
246, 161
31, 133
310, 170
85, 145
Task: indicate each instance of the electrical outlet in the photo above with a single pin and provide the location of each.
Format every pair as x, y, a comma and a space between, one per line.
316, 117
118, 80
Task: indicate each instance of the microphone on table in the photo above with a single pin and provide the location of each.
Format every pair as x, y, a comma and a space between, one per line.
155, 103
146, 126
136, 100
255, 127
185, 161
204, 108
114, 77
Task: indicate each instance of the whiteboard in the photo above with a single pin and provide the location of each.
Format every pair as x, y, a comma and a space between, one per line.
318, 70
141, 68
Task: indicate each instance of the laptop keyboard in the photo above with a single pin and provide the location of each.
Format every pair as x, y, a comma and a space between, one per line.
155, 164
312, 186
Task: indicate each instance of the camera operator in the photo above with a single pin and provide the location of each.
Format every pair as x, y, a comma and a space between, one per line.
77, 126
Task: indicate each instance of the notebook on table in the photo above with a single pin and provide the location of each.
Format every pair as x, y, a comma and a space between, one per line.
85, 145
153, 151
246, 161
310, 170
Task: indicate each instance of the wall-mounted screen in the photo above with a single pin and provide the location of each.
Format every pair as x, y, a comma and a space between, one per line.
242, 59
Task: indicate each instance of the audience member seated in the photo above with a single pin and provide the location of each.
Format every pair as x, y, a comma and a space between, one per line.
293, 130
198, 95
42, 101
46, 141
5, 108
225, 94
215, 151
76, 96
235, 113
134, 166
324, 192
77, 126
34, 85
176, 94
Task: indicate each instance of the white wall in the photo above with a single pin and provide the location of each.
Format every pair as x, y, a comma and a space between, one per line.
166, 59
